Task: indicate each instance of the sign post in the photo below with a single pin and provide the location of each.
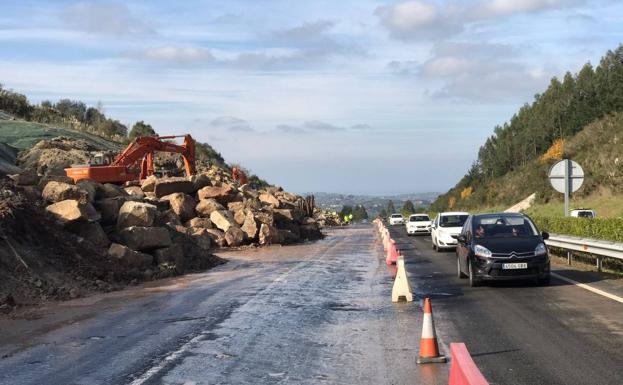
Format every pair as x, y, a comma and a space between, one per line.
566, 177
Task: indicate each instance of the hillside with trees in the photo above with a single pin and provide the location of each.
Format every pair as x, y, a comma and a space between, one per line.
577, 117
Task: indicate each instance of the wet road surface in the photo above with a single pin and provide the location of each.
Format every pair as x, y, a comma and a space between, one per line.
307, 314
519, 332
319, 313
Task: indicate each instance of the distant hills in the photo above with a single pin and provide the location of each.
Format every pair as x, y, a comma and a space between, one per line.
372, 204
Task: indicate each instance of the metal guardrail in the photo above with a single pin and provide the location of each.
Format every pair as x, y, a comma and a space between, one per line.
596, 247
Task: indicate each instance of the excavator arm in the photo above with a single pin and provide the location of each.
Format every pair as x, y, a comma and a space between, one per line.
141, 150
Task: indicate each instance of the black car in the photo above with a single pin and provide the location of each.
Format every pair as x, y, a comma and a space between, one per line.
503, 246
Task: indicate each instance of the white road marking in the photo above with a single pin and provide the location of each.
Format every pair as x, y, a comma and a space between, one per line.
589, 288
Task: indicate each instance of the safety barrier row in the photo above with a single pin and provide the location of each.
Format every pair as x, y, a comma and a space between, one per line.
463, 370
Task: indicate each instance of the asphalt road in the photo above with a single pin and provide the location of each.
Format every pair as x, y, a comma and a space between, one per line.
309, 314
519, 332
313, 314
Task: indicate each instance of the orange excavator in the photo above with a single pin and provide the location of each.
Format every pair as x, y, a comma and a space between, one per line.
136, 162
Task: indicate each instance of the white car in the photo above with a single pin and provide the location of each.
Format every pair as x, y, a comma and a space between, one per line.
583, 213
418, 224
444, 227
396, 219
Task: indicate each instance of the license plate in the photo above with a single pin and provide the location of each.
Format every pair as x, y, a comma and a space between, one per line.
511, 266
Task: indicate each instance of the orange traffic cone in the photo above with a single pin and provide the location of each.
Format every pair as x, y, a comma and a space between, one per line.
392, 253
429, 350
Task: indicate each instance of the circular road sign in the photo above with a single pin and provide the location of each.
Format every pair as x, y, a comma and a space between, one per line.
557, 176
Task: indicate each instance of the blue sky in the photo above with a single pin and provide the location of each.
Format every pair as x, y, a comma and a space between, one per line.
350, 96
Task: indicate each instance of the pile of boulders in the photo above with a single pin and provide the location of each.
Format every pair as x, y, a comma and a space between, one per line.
171, 223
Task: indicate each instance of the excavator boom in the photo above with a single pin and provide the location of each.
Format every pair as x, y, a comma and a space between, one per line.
137, 160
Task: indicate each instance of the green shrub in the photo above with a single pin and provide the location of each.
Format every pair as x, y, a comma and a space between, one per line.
598, 228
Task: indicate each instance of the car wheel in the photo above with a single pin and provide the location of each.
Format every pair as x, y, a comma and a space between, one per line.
433, 244
459, 273
473, 281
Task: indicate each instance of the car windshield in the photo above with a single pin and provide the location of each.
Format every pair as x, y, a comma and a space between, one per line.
452, 220
501, 226
396, 216
585, 214
419, 218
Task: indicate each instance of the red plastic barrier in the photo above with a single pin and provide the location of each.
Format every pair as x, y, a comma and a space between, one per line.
463, 370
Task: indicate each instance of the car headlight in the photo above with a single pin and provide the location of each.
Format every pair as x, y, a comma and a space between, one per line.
540, 249
482, 251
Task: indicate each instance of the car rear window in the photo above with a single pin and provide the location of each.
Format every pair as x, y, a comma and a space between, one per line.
453, 220
499, 226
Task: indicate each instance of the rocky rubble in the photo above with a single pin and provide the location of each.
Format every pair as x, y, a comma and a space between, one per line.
158, 228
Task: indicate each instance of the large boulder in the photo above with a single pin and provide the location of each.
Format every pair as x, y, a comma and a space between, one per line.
239, 216
269, 199
109, 190
172, 254
167, 217
222, 219
90, 186
218, 236
93, 233
205, 207
201, 238
59, 191
145, 238
310, 231
71, 211
44, 180
235, 206
222, 194
136, 214
109, 209
249, 226
148, 184
183, 205
268, 235
234, 236
200, 181
203, 223
128, 257
281, 215
169, 186
265, 216
287, 237
135, 191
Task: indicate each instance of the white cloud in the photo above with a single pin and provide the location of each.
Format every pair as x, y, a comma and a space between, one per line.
480, 71
306, 31
101, 18
419, 20
507, 7
173, 54
428, 20
232, 123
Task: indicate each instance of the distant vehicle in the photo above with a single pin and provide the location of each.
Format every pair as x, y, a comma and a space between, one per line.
418, 224
396, 219
503, 246
583, 213
444, 227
